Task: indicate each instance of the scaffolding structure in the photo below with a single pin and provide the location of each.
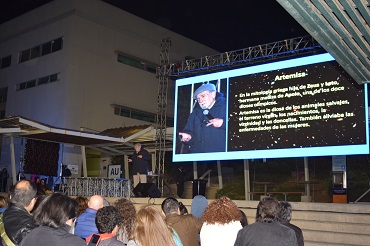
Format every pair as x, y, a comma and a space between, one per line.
161, 118
300, 46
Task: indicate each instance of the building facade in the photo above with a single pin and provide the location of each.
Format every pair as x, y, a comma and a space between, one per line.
83, 64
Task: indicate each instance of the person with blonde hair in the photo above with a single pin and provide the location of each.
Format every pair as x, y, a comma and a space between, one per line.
151, 230
221, 223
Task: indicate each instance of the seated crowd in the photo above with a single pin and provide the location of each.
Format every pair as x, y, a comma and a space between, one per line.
61, 220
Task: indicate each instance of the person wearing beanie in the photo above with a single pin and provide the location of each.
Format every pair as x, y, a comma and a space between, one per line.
205, 130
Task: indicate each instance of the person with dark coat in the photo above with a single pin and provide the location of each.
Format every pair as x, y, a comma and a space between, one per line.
285, 217
17, 219
205, 130
267, 230
54, 215
139, 160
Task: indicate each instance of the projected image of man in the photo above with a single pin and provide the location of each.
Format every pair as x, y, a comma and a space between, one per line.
205, 130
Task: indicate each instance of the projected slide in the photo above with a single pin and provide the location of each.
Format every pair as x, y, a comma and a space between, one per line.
300, 107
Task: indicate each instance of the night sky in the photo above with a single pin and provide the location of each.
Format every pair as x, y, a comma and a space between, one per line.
226, 26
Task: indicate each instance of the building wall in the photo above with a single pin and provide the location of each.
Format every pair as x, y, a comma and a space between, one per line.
90, 78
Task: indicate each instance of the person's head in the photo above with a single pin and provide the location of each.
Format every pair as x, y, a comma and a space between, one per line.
285, 211
151, 229
127, 213
3, 202
170, 205
206, 95
183, 209
24, 193
107, 220
268, 210
198, 205
37, 180
137, 147
42, 181
96, 202
243, 220
55, 210
221, 211
82, 204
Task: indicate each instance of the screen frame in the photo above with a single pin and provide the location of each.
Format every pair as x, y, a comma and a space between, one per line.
266, 153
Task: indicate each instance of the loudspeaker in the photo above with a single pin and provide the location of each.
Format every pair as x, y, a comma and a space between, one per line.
147, 190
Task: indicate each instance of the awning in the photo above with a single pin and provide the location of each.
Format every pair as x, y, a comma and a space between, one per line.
341, 27
26, 128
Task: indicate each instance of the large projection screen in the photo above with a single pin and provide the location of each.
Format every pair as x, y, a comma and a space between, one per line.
302, 107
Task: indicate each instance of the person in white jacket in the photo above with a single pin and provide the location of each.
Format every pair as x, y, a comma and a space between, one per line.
221, 223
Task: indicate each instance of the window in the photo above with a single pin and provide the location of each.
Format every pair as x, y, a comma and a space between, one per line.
3, 94
24, 55
5, 62
35, 52
138, 114
43, 80
57, 44
136, 62
41, 50
37, 82
46, 49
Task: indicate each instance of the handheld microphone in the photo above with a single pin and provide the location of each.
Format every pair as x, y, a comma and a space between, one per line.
206, 113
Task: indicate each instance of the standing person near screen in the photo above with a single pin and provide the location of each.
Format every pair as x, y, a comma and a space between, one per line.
205, 130
139, 161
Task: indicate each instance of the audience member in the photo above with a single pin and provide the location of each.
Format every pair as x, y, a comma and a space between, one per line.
221, 223
44, 187
17, 220
107, 221
3, 204
267, 230
127, 213
285, 216
187, 226
243, 220
82, 205
198, 205
39, 198
85, 223
183, 209
54, 216
151, 230
38, 186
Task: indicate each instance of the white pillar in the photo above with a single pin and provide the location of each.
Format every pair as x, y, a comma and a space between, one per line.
12, 160
219, 172
127, 172
195, 168
154, 161
306, 176
84, 166
247, 180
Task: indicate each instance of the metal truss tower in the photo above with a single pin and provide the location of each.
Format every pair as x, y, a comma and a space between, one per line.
161, 124
246, 57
